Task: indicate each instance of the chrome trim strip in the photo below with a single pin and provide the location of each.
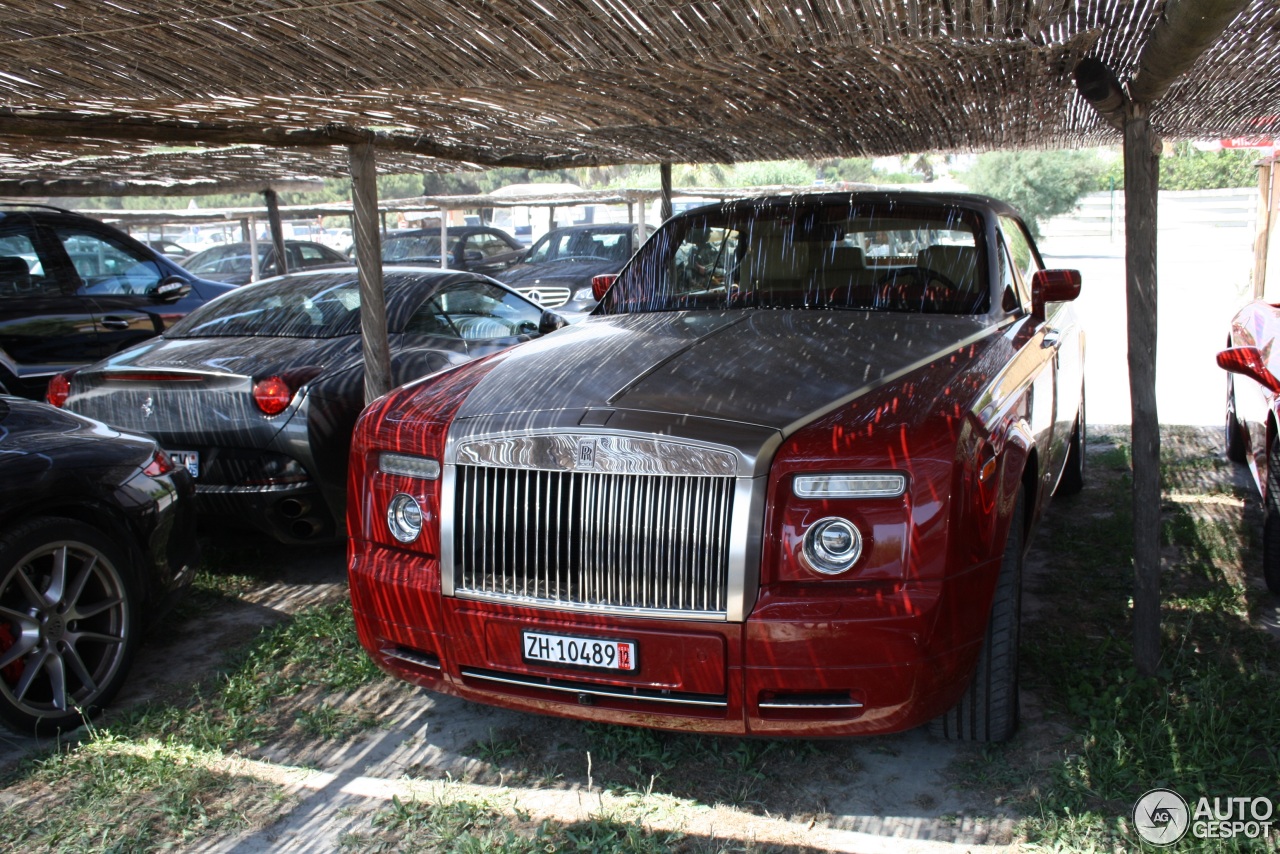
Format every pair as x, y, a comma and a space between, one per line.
642, 694
745, 533
448, 477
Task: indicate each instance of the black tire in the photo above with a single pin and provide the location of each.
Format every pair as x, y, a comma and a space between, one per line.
69, 624
988, 711
1271, 521
1234, 436
1072, 480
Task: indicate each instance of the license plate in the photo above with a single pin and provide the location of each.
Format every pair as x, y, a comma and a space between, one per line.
596, 653
189, 460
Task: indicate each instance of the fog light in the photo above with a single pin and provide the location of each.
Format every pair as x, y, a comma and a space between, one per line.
404, 518
832, 545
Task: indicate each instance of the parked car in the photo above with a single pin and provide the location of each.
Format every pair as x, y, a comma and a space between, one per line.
256, 394
73, 290
473, 248
786, 494
233, 262
1253, 411
557, 271
97, 538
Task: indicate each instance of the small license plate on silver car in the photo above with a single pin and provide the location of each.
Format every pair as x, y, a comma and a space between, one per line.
597, 653
189, 460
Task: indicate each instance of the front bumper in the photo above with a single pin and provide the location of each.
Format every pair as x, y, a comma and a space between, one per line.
799, 666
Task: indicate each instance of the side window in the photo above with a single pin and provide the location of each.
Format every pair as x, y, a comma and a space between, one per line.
312, 255
1020, 262
106, 266
487, 245
21, 270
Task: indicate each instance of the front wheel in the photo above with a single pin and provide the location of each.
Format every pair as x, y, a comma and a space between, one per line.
1072, 480
988, 711
69, 623
1234, 437
1271, 521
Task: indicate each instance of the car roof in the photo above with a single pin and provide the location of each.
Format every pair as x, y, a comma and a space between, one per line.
913, 197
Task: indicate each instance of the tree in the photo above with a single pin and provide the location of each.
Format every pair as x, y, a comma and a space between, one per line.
1040, 184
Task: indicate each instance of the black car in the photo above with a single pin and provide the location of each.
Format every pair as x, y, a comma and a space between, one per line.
472, 248
97, 537
557, 271
73, 290
257, 393
232, 263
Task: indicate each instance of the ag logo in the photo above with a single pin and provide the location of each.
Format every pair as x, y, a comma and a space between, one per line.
1161, 817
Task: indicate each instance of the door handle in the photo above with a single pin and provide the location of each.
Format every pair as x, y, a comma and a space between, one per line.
110, 322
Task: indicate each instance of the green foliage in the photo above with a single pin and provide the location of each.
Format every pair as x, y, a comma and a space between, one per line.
1187, 168
1040, 184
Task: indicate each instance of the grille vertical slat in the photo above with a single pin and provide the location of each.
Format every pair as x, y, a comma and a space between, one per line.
580, 539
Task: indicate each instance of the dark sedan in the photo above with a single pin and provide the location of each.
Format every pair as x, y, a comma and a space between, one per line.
558, 269
97, 535
73, 289
233, 263
257, 393
473, 248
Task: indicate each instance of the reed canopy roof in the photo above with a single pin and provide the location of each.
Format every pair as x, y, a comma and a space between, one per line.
204, 90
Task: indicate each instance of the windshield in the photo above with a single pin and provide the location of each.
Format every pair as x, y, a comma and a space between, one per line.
855, 255
288, 308
582, 244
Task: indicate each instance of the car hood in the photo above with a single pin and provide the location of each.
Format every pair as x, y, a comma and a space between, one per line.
563, 273
760, 368
242, 356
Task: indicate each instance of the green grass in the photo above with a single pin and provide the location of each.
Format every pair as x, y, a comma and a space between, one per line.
466, 826
1206, 725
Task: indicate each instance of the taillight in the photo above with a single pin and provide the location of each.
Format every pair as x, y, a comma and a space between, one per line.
602, 283
272, 395
160, 464
59, 390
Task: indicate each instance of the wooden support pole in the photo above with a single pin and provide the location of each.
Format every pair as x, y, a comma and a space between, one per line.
1141, 189
665, 171
277, 230
368, 241
444, 238
250, 228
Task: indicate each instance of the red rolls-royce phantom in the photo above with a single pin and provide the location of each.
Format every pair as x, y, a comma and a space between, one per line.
780, 482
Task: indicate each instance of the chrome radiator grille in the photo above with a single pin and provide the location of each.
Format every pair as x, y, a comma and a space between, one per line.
648, 543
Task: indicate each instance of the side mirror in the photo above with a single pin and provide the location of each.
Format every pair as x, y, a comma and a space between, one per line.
474, 255
171, 289
600, 284
1249, 362
1053, 286
550, 322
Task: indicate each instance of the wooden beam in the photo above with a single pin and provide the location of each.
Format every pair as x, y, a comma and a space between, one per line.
35, 188
1187, 29
1099, 86
1141, 190
277, 230
368, 240
665, 172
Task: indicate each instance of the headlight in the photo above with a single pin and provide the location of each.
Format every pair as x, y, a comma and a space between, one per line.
832, 545
582, 294
404, 518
